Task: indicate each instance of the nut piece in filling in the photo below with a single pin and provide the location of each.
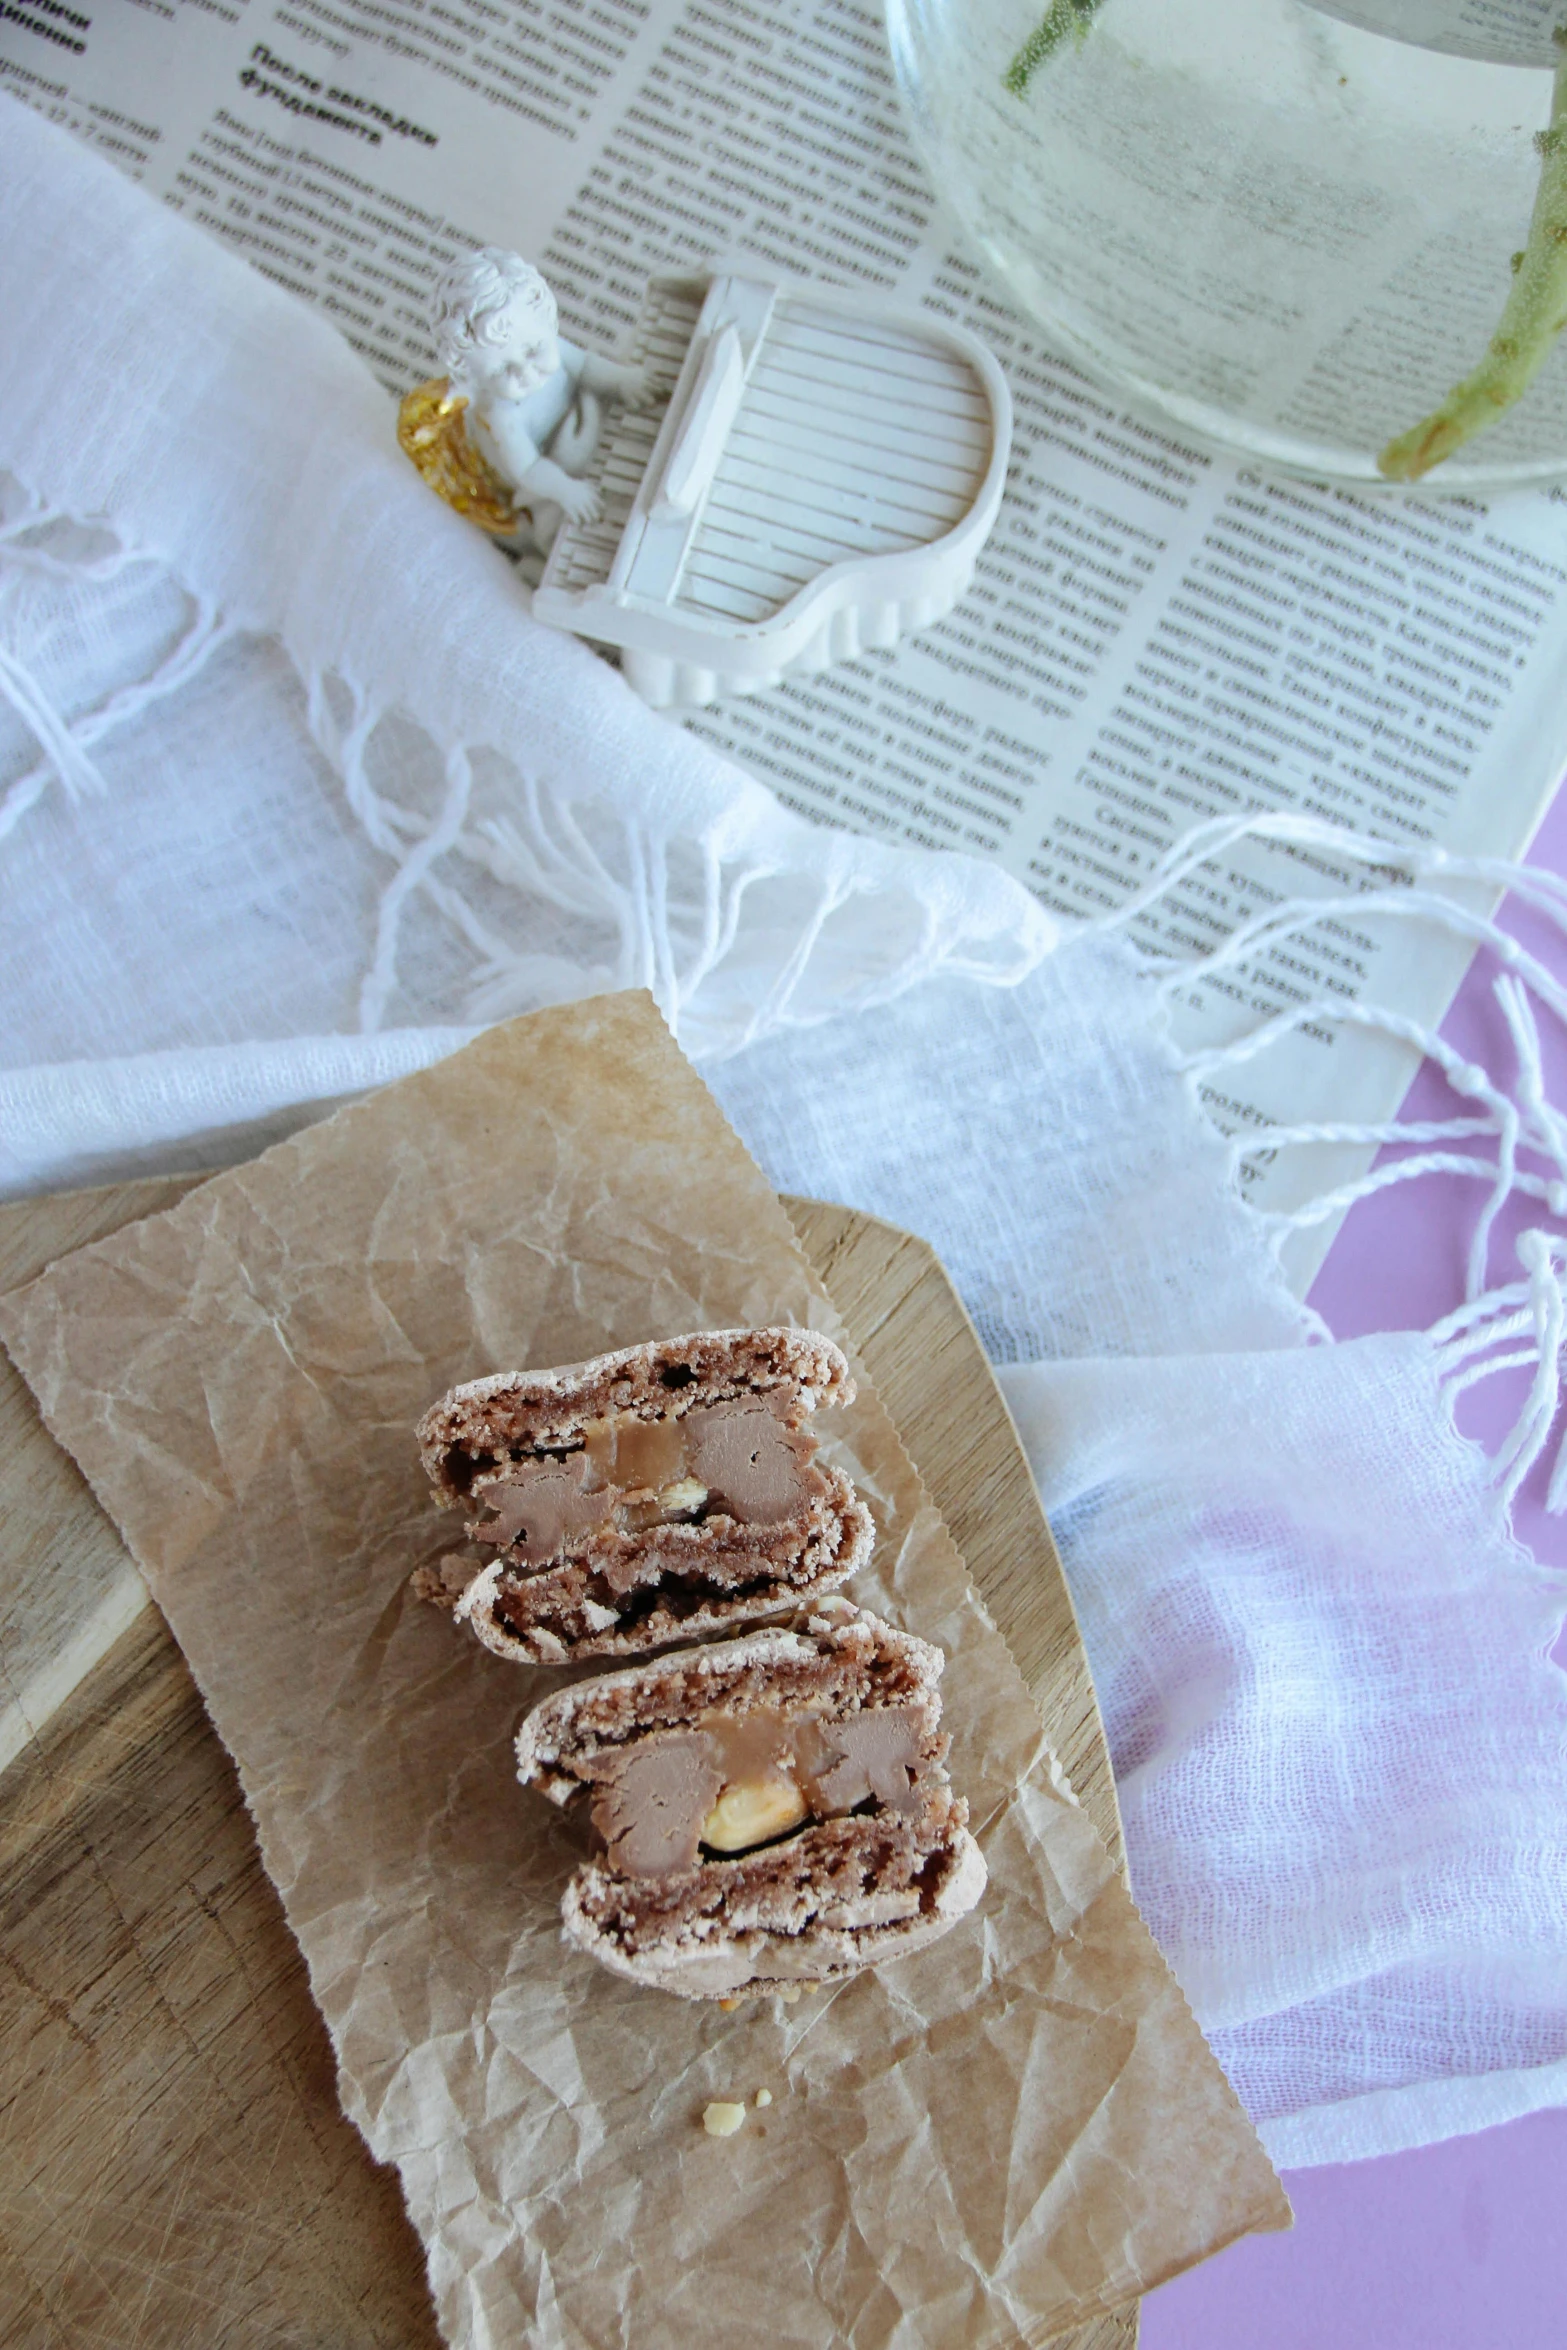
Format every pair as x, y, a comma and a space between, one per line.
765, 1811
644, 1497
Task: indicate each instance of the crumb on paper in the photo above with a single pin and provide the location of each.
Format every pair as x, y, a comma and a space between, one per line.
763, 2097
728, 2006
789, 1994
721, 2120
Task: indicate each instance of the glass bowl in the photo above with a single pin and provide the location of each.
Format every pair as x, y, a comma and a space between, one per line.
1288, 233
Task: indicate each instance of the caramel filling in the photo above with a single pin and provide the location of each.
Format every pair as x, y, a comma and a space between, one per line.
738, 1459
639, 1455
734, 1781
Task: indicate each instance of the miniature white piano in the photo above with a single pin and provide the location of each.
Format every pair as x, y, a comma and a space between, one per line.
817, 477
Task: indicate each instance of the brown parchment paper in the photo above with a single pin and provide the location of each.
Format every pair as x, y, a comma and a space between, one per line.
992, 2139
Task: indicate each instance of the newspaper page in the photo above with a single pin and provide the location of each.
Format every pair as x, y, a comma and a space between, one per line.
1156, 635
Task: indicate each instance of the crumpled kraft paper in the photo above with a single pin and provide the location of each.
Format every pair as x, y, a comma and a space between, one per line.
994, 2138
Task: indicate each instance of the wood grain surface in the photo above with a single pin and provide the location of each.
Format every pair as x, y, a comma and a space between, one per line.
175, 2173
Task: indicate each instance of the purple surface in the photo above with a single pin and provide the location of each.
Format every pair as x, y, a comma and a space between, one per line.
1455, 2247
1461, 2246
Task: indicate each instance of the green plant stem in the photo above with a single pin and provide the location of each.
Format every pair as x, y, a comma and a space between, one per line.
1061, 18
1526, 334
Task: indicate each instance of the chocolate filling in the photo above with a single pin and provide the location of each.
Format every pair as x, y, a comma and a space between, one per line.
749, 1461
649, 1813
739, 1460
657, 1796
539, 1507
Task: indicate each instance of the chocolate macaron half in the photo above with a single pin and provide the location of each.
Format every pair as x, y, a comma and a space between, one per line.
661, 1493
763, 1811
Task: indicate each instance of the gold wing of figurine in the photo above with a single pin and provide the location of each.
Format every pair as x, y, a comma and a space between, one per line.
430, 430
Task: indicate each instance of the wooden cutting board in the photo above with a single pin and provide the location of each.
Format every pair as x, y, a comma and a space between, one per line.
174, 2168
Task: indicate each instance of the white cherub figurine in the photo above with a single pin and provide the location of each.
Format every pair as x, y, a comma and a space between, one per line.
534, 400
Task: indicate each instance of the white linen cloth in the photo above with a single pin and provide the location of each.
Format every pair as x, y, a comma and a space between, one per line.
1321, 1658
293, 795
